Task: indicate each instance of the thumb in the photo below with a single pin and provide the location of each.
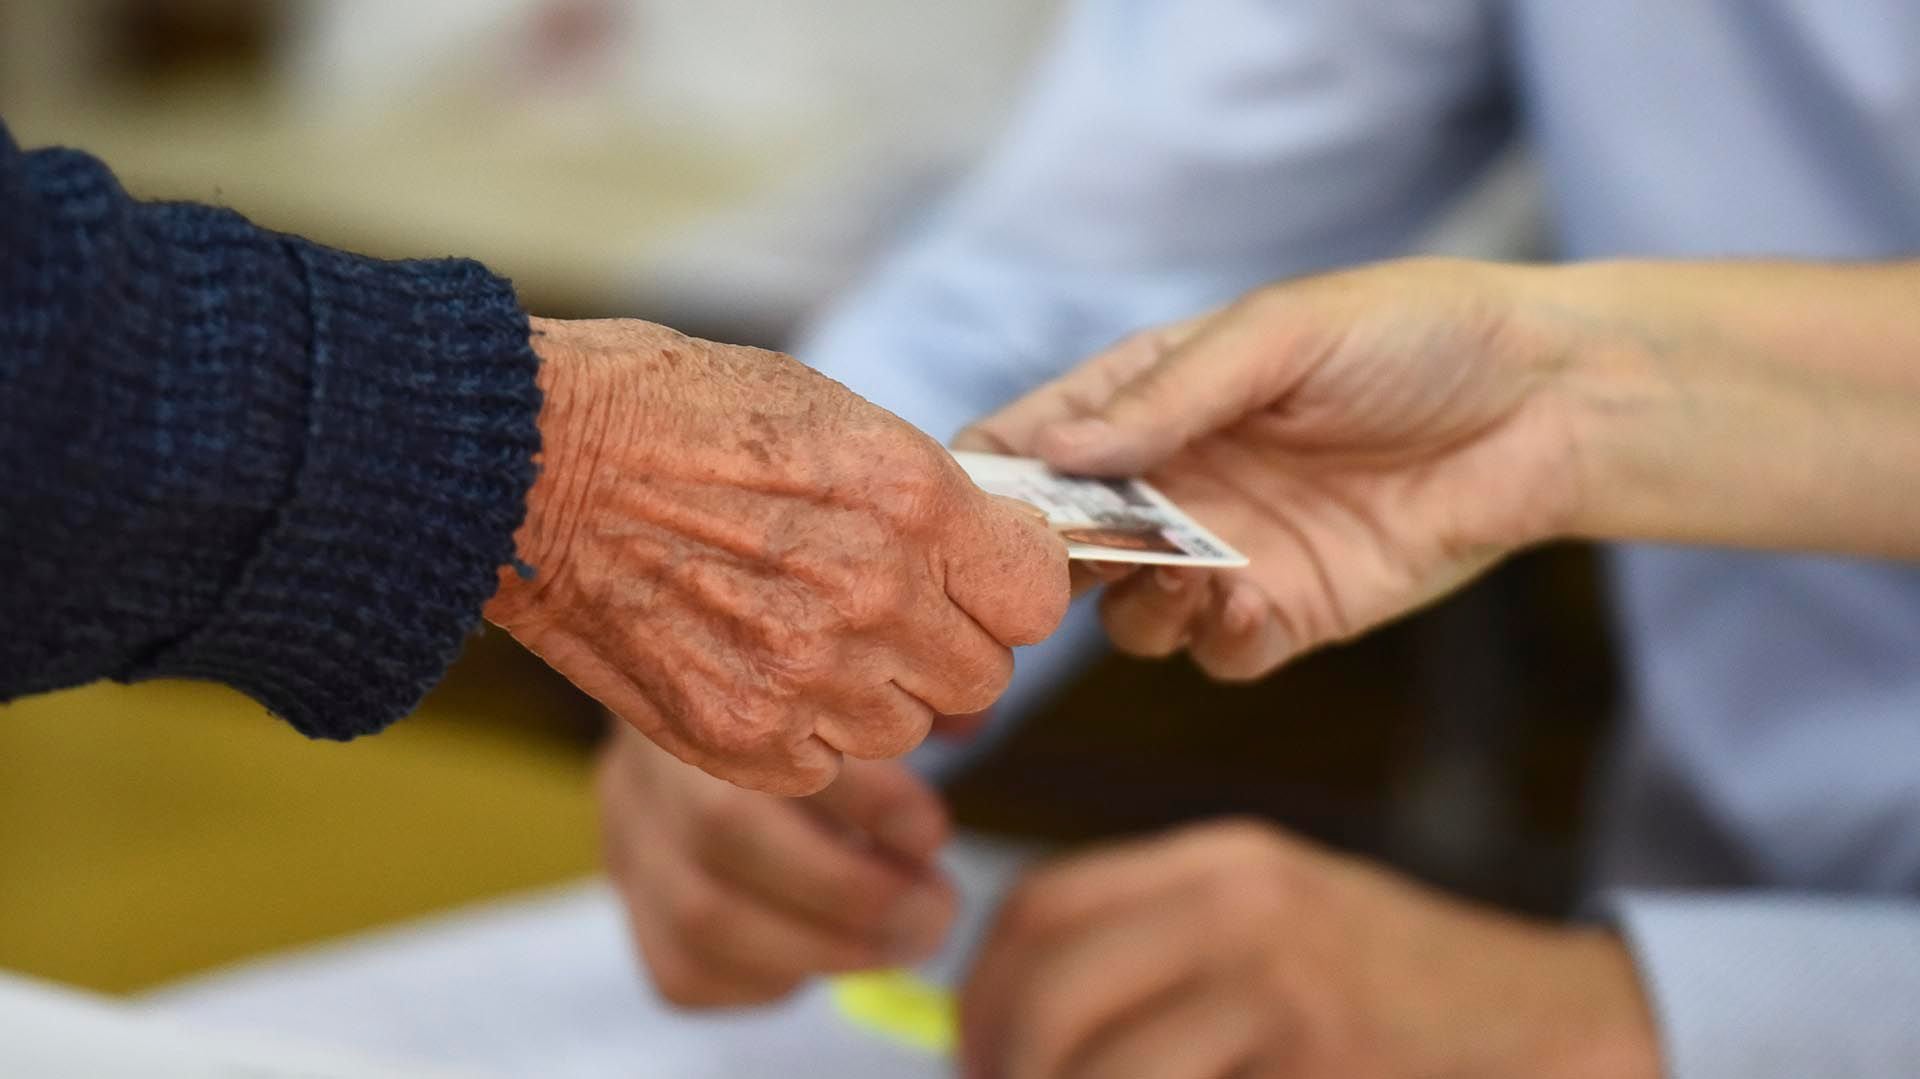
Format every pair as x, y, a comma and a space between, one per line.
1206, 383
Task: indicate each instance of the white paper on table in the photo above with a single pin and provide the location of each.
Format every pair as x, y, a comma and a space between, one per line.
548, 986
53, 1032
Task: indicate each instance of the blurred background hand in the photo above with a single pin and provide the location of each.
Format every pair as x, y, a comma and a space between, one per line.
757, 568
1371, 439
737, 897
1234, 949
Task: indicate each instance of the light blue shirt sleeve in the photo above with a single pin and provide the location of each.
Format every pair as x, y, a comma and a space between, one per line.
1169, 157
1767, 986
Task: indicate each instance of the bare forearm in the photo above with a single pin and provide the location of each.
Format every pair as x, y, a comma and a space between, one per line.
1768, 405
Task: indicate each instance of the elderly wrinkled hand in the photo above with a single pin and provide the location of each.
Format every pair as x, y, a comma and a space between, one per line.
755, 567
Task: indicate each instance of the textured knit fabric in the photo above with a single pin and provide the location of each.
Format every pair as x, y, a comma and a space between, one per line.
230, 454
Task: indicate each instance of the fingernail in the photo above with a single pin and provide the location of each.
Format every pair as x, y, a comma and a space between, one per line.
912, 930
1024, 507
1169, 580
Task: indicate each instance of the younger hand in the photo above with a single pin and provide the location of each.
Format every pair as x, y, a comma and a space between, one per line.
1371, 439
757, 568
1232, 951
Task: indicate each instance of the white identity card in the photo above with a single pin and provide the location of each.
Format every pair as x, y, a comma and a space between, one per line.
1104, 520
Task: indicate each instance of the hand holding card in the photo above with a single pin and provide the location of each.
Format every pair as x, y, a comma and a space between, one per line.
1104, 520
1373, 439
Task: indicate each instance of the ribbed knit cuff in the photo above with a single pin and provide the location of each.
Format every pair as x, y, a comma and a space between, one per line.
418, 452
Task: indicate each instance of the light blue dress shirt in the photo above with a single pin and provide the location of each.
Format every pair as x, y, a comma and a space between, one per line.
1761, 835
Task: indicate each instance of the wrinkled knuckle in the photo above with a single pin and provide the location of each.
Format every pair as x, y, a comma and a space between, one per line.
923, 487
745, 727
885, 736
802, 654
932, 465
904, 735
813, 773
1047, 606
993, 681
1035, 613
963, 697
828, 563
706, 720
874, 600
990, 675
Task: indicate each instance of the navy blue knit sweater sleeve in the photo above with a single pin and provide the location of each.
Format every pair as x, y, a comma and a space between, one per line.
234, 455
